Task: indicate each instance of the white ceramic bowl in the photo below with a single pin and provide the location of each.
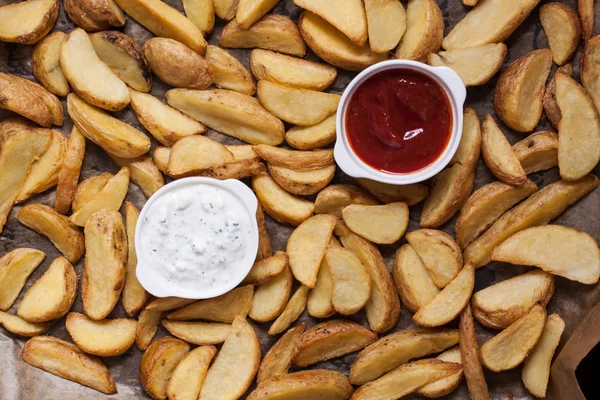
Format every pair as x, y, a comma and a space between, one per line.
352, 165
155, 283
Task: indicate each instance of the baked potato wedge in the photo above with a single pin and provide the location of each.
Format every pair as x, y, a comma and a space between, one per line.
235, 170
351, 281
200, 333
469, 351
313, 384
537, 152
105, 338
302, 182
168, 303
589, 72
63, 234
147, 326
383, 224
193, 154
134, 296
413, 282
445, 386
159, 362
586, 14
550, 106
88, 189
386, 20
271, 32
51, 296
387, 193
27, 22
312, 137
188, 376
250, 11
498, 154
264, 241
263, 270
45, 63
278, 359
94, 15
144, 173
292, 311
424, 30
15, 268
219, 309
320, 299
348, 17
19, 326
294, 159
562, 28
334, 198
201, 13
64, 359
271, 298
68, 175
228, 72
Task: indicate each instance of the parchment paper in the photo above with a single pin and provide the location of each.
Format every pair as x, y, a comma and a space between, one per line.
19, 381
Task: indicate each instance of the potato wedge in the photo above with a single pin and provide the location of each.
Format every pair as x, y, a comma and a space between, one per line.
424, 30
448, 303
586, 14
201, 13
144, 173
124, 57
383, 308
264, 241
445, 386
158, 364
510, 347
134, 296
491, 21
406, 379
112, 134
386, 193
63, 234
45, 63
68, 176
536, 368
235, 170
228, 72
147, 326
440, 254
93, 15
264, 270
351, 281
103, 276
520, 90
219, 309
334, 198
475, 65
168, 303
165, 21
302, 182
550, 106
383, 224
537, 152
498, 154
236, 363
386, 20
589, 73
106, 338
64, 359
469, 351
27, 22
320, 299
562, 28
52, 295
501, 304
278, 359
200, 333
271, 298
413, 282
331, 339
556, 249
279, 204
250, 11
30, 100
333, 46
294, 159
188, 376
88, 189
539, 209
294, 308
226, 9
15, 268
229, 112
194, 154
291, 71
18, 326
110, 197
314, 384
271, 32
314, 136
579, 130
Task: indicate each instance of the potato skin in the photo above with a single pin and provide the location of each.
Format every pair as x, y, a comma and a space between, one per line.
40, 31
93, 15
177, 64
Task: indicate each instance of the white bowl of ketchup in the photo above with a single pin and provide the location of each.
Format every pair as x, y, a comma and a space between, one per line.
399, 122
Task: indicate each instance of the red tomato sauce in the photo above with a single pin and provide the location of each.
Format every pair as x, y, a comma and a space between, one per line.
399, 121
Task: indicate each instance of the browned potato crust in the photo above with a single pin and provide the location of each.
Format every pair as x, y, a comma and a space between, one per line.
68, 176
549, 101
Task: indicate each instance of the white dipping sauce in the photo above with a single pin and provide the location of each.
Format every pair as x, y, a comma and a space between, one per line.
197, 236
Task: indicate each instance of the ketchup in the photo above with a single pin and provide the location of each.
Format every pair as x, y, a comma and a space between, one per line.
399, 121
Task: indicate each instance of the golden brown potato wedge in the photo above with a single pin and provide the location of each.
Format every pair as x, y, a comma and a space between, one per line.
27, 22
110, 197
88, 189
291, 71
294, 308
147, 326
384, 224
294, 159
168, 303
520, 90
188, 376
387, 193
63, 234
590, 72
510, 347
271, 298
94, 15
279, 204
106, 338
538, 151
201, 13
331, 339
498, 154
64, 359
219, 309
586, 14
348, 17
406, 379
549, 101
539, 209
45, 63
469, 351
386, 20
320, 299
475, 65
250, 11
272, 32
236, 363
424, 30
134, 296
445, 386
108, 132
68, 176
194, 154
200, 333
144, 173
536, 368
278, 359
562, 28
228, 72
579, 130
489, 22
413, 282
334, 198
19, 326
267, 268
351, 281
165, 21
333, 46
501, 304
575, 255
226, 9
314, 384
52, 295
103, 276
158, 364
314, 136
15, 268
302, 182
235, 170
264, 241
30, 100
